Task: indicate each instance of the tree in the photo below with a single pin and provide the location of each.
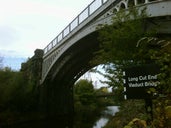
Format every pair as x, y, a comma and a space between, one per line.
15, 91
118, 41
84, 90
115, 80
118, 46
85, 103
130, 43
162, 56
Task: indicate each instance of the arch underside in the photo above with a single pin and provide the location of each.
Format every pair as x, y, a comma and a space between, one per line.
57, 89
75, 61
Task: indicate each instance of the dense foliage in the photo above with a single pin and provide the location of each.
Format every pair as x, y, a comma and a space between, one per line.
128, 110
118, 41
84, 103
87, 105
130, 43
17, 96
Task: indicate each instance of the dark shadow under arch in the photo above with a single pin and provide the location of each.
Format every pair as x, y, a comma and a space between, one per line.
122, 6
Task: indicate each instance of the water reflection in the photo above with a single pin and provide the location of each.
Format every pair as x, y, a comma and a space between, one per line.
110, 111
101, 122
68, 122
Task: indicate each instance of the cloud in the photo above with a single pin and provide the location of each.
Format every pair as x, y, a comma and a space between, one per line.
13, 54
52, 8
29, 24
7, 35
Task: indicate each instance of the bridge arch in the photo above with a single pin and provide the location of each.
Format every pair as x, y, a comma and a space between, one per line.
123, 5
115, 10
75, 31
65, 61
74, 61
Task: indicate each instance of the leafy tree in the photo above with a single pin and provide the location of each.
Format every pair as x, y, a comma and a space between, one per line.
102, 90
128, 110
118, 41
16, 94
85, 91
128, 42
162, 56
114, 80
85, 104
118, 46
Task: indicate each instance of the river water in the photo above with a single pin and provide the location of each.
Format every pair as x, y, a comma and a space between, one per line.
110, 111
61, 123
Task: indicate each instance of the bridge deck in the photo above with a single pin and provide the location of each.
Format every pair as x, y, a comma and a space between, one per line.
97, 12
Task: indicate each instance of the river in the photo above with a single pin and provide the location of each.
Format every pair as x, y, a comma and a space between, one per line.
61, 123
102, 121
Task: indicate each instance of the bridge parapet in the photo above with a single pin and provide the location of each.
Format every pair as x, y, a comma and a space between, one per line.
97, 12
87, 12
53, 49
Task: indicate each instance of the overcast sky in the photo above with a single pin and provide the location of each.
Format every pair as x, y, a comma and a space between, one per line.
29, 24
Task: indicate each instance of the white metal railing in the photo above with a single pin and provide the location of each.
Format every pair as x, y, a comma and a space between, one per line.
82, 17
88, 11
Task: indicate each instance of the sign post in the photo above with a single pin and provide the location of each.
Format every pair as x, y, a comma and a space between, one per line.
138, 82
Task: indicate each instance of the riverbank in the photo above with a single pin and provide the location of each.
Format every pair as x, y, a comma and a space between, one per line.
97, 119
36, 120
13, 118
128, 110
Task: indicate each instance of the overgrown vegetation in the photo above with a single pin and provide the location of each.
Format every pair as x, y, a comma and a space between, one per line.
122, 44
130, 43
87, 105
18, 97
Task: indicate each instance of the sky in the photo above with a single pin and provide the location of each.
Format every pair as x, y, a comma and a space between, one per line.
26, 25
